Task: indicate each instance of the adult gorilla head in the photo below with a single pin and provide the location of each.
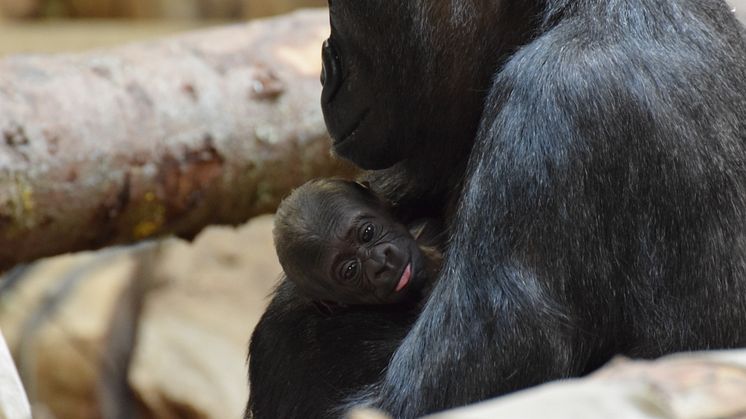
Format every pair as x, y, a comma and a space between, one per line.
400, 77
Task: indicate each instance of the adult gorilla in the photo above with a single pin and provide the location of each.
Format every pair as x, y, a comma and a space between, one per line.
594, 152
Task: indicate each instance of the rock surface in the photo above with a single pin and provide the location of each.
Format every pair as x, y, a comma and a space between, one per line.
190, 354
709, 385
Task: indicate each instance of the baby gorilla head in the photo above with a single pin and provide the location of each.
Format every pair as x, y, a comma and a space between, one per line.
339, 243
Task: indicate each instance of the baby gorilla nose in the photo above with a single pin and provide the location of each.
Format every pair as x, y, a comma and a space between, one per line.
383, 262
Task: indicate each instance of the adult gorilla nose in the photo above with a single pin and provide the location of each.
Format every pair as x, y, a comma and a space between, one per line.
331, 71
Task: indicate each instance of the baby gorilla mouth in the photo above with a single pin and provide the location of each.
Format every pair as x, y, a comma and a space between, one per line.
406, 276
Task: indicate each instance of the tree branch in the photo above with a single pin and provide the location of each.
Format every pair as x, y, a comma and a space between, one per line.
120, 145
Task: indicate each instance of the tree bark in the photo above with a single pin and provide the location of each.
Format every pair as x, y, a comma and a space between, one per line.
115, 146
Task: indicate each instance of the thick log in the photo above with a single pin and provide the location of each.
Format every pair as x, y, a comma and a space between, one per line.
681, 386
115, 146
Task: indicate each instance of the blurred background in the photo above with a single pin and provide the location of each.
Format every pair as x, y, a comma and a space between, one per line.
54, 25
156, 330
151, 9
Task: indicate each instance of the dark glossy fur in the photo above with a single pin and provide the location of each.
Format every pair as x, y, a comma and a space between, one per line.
305, 359
601, 208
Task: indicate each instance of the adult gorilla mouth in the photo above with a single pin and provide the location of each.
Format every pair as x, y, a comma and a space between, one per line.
343, 120
352, 113
351, 131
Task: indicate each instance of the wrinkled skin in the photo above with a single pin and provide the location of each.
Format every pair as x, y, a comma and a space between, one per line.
589, 156
339, 243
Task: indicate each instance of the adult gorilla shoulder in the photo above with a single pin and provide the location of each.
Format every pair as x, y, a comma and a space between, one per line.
594, 153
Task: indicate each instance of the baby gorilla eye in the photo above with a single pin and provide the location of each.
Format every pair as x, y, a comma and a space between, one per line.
349, 270
367, 232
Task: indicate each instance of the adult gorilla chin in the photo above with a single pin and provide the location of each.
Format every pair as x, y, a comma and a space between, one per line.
590, 159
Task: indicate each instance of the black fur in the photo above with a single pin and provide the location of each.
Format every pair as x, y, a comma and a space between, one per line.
601, 208
305, 359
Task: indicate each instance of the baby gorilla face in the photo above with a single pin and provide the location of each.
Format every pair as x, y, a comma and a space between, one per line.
371, 258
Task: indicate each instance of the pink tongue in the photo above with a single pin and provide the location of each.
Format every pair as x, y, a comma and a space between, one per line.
405, 277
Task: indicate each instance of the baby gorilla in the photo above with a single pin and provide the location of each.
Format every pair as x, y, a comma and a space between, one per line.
340, 244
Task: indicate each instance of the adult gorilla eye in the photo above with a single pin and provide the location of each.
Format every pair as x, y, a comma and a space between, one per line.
367, 233
349, 270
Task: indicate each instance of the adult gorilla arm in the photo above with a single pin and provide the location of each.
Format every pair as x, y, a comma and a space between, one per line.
602, 206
